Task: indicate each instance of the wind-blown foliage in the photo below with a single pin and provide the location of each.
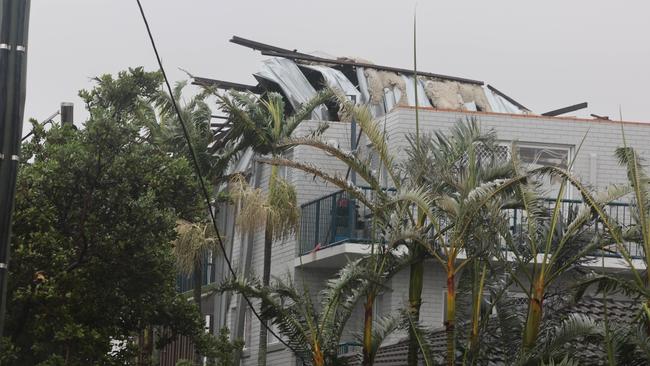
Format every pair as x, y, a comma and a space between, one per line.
260, 124
313, 331
95, 214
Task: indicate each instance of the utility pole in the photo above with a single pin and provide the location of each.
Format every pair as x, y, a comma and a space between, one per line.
14, 23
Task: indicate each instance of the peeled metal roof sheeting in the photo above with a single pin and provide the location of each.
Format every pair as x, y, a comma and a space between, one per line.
500, 104
336, 80
293, 83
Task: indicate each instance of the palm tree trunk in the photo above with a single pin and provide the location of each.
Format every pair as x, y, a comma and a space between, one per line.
416, 282
477, 298
450, 322
317, 355
367, 329
266, 279
535, 312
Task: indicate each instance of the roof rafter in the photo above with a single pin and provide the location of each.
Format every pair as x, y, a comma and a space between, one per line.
221, 84
270, 50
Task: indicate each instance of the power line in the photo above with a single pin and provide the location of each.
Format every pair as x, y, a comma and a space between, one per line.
204, 190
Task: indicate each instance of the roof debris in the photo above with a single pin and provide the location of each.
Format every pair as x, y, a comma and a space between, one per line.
299, 75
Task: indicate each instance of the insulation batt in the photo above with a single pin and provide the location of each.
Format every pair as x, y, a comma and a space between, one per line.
454, 95
474, 93
380, 80
444, 94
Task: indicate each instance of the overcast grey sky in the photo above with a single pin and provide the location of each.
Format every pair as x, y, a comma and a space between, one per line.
545, 54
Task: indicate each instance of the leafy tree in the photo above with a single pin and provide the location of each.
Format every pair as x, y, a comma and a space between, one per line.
220, 350
195, 239
96, 208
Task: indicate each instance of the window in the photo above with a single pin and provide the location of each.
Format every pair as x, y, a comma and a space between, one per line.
209, 268
270, 338
544, 156
500, 154
533, 155
539, 156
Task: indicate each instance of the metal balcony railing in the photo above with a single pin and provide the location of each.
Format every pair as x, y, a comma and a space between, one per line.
334, 219
340, 218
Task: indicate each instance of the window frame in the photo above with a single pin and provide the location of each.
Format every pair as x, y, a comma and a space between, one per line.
542, 145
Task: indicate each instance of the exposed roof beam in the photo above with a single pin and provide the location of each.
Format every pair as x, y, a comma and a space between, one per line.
304, 57
259, 46
564, 110
221, 84
502, 95
599, 117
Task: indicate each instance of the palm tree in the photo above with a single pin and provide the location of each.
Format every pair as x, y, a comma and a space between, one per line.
555, 241
196, 236
386, 208
312, 331
260, 124
624, 238
196, 114
191, 246
462, 185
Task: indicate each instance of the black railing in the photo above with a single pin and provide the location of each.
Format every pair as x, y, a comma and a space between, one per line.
618, 211
334, 219
339, 217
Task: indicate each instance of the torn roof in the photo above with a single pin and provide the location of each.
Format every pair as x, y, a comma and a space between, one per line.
298, 76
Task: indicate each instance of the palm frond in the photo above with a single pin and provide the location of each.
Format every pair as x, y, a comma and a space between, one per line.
566, 361
372, 130
349, 159
382, 328
421, 336
282, 208
552, 344
605, 283
334, 179
192, 242
305, 111
253, 204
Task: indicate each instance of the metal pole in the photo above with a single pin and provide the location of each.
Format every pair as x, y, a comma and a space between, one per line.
14, 23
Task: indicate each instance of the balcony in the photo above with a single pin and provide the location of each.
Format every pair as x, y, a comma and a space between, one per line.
337, 227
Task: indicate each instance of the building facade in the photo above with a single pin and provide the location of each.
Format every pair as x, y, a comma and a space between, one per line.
333, 228
325, 242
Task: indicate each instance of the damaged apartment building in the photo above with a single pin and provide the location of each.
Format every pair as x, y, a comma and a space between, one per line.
328, 237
